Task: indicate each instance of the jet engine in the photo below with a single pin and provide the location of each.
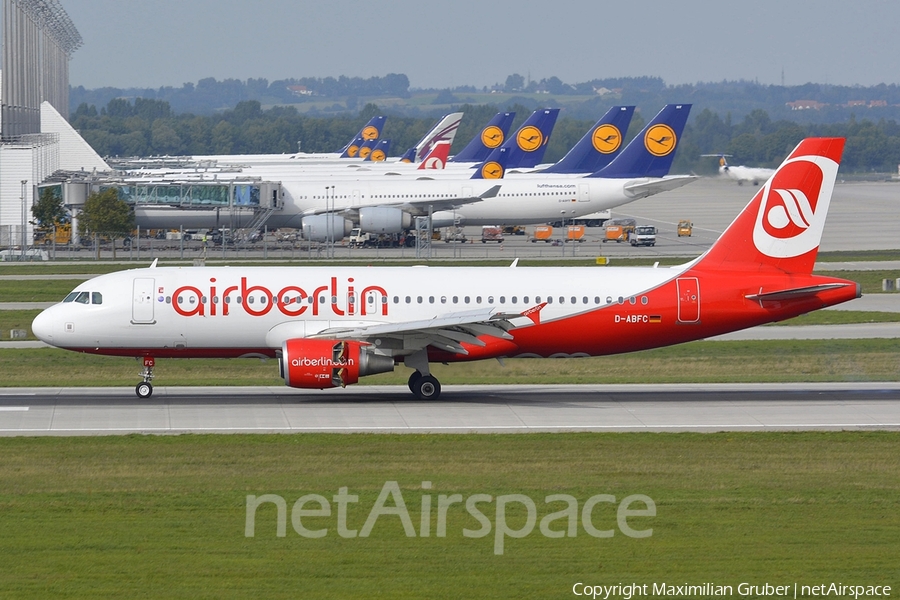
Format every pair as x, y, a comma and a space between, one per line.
383, 219
322, 228
322, 364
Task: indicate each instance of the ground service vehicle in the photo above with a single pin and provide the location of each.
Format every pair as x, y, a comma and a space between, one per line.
491, 234
542, 233
455, 234
643, 235
685, 228
619, 230
575, 233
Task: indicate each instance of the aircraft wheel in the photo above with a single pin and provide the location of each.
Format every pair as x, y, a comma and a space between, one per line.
143, 389
427, 387
412, 381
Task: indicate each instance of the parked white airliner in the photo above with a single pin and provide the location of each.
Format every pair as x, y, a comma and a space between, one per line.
331, 325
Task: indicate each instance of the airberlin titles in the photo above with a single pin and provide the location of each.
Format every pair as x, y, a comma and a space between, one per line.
291, 300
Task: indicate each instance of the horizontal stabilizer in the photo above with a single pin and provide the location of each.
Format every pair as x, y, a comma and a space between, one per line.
795, 293
644, 188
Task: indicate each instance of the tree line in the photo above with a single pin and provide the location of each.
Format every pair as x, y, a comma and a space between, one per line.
146, 127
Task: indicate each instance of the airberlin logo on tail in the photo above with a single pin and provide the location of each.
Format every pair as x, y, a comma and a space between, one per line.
793, 206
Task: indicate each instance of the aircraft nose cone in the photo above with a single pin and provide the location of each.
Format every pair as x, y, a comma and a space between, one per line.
42, 326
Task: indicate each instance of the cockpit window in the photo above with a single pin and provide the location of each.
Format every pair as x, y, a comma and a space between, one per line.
96, 298
83, 298
70, 297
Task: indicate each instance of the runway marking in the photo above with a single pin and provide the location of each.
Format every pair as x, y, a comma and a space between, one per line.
13, 408
721, 427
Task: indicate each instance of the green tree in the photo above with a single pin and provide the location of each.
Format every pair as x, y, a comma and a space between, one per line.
104, 213
49, 210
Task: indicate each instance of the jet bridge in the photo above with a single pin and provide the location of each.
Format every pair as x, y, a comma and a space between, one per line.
190, 203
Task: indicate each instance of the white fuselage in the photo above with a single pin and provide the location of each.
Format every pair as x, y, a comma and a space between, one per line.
234, 311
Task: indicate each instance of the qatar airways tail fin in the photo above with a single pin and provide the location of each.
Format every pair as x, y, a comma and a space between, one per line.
651, 153
371, 131
782, 226
599, 146
437, 158
444, 131
488, 139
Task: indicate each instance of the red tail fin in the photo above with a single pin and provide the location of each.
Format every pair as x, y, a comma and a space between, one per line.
437, 158
782, 226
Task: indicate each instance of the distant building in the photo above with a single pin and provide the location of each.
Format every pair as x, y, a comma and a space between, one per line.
805, 105
299, 90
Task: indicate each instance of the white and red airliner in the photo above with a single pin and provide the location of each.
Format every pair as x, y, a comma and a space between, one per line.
329, 326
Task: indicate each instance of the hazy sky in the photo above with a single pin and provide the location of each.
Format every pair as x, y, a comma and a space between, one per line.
479, 42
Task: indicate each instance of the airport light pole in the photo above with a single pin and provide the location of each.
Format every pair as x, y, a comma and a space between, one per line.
22, 198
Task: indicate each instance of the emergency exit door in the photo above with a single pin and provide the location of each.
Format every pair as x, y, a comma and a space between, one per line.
688, 299
142, 303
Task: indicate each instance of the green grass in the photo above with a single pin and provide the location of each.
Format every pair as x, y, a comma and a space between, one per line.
164, 516
695, 362
842, 317
16, 319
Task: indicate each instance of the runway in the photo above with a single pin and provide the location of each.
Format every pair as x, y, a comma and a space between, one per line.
462, 409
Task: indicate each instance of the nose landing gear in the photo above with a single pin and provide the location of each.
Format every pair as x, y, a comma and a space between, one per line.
145, 389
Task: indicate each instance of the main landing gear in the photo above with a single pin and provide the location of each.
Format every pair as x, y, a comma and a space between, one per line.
424, 387
422, 383
145, 389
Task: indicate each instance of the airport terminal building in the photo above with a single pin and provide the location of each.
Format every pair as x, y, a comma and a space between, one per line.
36, 141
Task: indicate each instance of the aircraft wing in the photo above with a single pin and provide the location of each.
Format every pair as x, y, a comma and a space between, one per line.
417, 207
642, 188
446, 332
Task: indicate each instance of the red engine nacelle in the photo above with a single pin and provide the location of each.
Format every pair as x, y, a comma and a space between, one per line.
321, 364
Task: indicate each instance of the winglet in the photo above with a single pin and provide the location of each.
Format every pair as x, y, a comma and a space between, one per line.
514, 264
153, 264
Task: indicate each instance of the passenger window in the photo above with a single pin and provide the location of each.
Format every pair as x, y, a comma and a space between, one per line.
478, 299
490, 299
96, 298
249, 300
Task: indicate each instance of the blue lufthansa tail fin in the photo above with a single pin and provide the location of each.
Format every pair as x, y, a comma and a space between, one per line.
380, 152
495, 165
371, 131
491, 137
651, 153
409, 156
599, 146
352, 149
528, 145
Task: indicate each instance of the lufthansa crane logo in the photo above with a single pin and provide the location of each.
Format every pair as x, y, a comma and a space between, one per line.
352, 151
370, 133
364, 151
377, 156
660, 140
529, 138
607, 139
491, 170
492, 136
